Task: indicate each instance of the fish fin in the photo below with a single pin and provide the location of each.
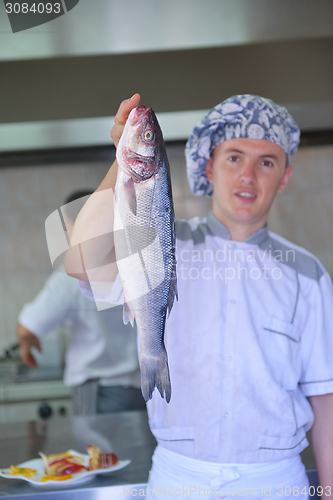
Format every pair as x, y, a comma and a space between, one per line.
130, 195
173, 292
155, 373
128, 316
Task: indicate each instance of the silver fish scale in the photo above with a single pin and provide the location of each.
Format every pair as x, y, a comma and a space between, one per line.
154, 211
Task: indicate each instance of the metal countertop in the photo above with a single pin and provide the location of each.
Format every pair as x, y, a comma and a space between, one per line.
127, 434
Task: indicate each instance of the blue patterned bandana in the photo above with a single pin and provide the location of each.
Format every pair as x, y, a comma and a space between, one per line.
240, 116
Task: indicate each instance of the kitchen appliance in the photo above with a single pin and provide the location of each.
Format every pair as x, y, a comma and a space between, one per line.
31, 393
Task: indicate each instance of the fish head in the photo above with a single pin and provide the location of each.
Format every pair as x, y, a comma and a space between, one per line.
141, 144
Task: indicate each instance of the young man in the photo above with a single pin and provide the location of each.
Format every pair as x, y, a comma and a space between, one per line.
250, 336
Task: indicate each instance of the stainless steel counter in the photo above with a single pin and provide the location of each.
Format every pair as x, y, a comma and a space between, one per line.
127, 434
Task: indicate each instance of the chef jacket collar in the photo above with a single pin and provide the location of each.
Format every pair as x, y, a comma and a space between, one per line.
220, 230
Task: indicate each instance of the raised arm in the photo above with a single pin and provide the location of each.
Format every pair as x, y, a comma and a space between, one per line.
87, 250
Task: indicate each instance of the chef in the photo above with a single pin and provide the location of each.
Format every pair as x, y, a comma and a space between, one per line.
250, 336
101, 363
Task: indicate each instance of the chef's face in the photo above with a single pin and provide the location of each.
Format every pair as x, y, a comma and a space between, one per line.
246, 175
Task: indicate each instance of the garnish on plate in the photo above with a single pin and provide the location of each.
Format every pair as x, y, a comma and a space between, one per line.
61, 464
21, 471
100, 460
56, 478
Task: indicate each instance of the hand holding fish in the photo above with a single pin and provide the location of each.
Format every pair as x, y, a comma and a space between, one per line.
96, 218
143, 233
121, 117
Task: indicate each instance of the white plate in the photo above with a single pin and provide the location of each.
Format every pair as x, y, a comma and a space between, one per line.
78, 478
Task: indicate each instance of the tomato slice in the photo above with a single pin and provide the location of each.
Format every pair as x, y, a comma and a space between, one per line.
73, 469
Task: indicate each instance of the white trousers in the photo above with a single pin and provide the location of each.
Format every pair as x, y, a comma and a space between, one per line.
174, 475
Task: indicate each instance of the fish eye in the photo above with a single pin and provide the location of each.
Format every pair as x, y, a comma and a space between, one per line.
149, 135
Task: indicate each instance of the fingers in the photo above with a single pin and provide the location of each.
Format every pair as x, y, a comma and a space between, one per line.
122, 114
27, 340
26, 356
125, 108
37, 345
30, 361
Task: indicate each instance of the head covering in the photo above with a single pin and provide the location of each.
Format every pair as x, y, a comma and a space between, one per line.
239, 116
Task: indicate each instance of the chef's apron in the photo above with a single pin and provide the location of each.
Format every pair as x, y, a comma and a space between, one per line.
173, 475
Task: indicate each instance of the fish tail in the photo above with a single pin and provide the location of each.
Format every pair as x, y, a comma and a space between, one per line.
155, 373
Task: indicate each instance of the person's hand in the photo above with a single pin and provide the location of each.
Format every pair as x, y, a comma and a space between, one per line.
122, 114
27, 340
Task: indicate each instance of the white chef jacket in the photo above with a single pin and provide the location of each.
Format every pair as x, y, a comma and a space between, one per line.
249, 338
100, 345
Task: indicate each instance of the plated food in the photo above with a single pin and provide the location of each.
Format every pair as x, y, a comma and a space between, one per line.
64, 468
61, 466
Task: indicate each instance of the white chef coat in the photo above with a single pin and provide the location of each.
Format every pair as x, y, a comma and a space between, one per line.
100, 346
249, 338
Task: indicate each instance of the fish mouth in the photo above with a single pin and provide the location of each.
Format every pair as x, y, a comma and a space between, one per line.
139, 113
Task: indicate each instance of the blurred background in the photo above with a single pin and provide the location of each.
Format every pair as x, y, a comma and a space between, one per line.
61, 84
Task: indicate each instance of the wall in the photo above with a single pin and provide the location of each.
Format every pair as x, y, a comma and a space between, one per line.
303, 214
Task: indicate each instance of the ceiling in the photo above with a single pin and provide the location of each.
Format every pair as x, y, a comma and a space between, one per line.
61, 82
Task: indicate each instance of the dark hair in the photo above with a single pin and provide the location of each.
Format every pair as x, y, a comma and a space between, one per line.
72, 209
75, 195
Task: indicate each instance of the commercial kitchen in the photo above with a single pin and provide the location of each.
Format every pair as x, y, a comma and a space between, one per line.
61, 84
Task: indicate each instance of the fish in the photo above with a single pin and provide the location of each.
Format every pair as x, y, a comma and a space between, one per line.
144, 240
